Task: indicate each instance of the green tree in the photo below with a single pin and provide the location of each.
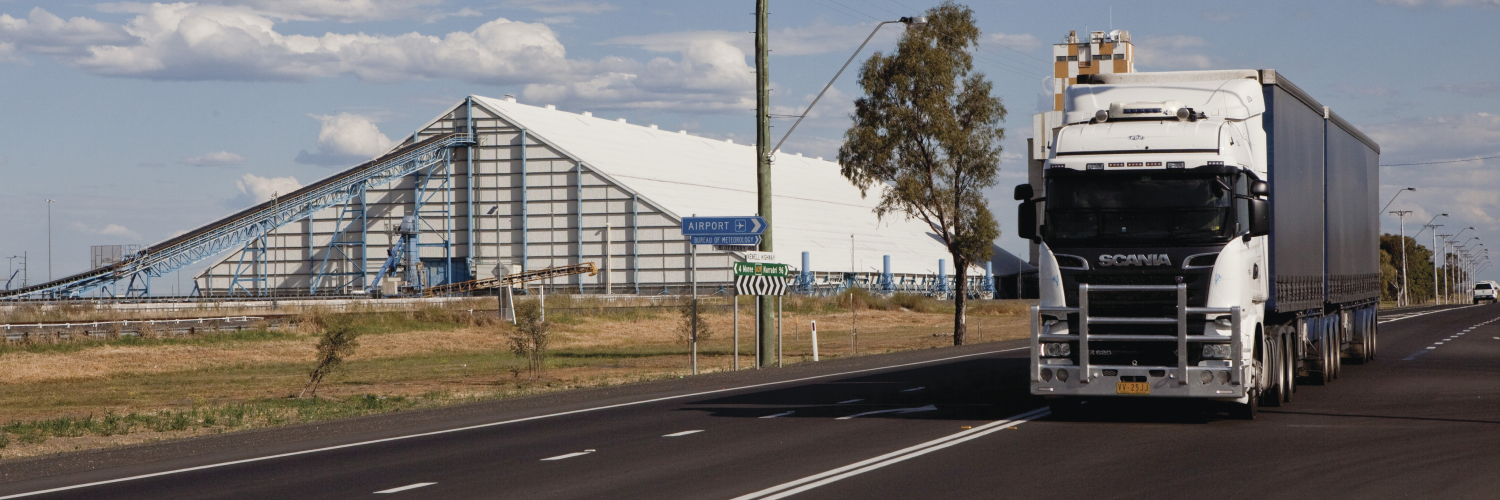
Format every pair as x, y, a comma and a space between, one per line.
928, 132
1419, 268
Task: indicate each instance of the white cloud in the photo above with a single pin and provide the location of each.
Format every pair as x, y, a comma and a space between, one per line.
186, 41
190, 41
1438, 138
1022, 41
1441, 3
214, 159
1169, 52
312, 10
711, 75
1464, 190
260, 189
813, 39
562, 6
42, 32
118, 230
346, 139
109, 230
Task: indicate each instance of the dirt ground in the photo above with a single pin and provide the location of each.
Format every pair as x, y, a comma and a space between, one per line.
426, 367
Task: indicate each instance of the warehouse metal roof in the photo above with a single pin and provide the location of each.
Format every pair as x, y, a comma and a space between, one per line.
815, 208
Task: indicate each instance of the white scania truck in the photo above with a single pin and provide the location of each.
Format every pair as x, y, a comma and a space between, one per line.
1208, 234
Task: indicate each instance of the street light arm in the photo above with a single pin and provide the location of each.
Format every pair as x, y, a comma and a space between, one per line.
1393, 198
830, 85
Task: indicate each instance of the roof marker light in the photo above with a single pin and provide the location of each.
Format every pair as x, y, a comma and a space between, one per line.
1057, 165
1114, 165
1215, 162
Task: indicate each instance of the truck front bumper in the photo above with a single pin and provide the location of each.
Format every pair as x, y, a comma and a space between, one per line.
1105, 380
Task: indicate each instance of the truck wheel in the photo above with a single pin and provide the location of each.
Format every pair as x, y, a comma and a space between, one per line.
1319, 372
1275, 372
1289, 355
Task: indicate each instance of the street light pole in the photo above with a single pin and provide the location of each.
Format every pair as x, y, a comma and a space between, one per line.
765, 332
49, 238
1402, 299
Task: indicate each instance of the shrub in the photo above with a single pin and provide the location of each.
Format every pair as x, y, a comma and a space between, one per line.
338, 340
530, 336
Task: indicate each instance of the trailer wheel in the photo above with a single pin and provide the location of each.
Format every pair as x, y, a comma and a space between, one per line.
1321, 366
1374, 336
1337, 348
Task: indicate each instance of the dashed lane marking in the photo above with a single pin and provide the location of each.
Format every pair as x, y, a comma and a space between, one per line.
1450, 338
914, 389
850, 401
569, 455
403, 488
683, 433
895, 410
783, 414
502, 422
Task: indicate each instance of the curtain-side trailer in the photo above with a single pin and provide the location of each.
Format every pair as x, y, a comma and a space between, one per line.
1207, 234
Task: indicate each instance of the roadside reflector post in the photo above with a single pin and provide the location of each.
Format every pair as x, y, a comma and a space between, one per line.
736, 332
815, 339
778, 331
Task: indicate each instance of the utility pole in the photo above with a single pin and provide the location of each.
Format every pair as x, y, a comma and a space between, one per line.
1402, 299
1435, 300
1444, 252
765, 333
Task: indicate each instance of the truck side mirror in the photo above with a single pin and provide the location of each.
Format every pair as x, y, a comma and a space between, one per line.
1026, 217
1260, 217
1024, 192
1260, 188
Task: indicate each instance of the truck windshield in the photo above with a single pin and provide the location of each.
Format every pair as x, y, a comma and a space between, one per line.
1120, 208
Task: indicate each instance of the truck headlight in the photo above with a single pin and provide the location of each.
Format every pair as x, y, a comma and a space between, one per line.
1056, 350
1216, 351
1062, 375
1046, 374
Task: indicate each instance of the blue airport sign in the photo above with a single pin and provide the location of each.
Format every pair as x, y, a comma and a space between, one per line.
723, 226
726, 240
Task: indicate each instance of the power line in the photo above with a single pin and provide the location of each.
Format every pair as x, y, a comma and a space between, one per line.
1437, 162
1044, 61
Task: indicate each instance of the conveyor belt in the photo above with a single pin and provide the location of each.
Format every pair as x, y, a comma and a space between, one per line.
512, 279
246, 225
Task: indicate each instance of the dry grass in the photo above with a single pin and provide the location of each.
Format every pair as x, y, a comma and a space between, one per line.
422, 358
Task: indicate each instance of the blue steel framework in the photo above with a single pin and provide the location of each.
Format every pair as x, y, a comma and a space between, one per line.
250, 225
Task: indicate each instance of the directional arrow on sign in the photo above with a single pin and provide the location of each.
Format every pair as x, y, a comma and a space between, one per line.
723, 226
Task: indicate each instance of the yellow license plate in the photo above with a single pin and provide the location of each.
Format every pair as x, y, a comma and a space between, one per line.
1132, 388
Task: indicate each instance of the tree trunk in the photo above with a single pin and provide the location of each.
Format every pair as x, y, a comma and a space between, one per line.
960, 294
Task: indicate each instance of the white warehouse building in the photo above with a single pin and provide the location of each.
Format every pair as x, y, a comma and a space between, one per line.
543, 187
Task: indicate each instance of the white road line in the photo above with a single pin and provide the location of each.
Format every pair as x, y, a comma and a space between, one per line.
569, 455
850, 401
683, 433
780, 414
896, 410
791, 488
404, 488
493, 424
1424, 313
914, 389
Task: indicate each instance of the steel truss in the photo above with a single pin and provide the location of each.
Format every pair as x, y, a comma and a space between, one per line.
256, 222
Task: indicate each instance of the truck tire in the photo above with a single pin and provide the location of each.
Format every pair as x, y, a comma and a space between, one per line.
1271, 352
1289, 355
1318, 372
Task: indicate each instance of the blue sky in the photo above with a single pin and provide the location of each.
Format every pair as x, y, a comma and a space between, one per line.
144, 120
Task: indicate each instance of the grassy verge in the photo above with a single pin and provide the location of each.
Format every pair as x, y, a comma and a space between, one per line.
109, 392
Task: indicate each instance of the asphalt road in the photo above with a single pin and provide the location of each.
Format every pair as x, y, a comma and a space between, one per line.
1422, 421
